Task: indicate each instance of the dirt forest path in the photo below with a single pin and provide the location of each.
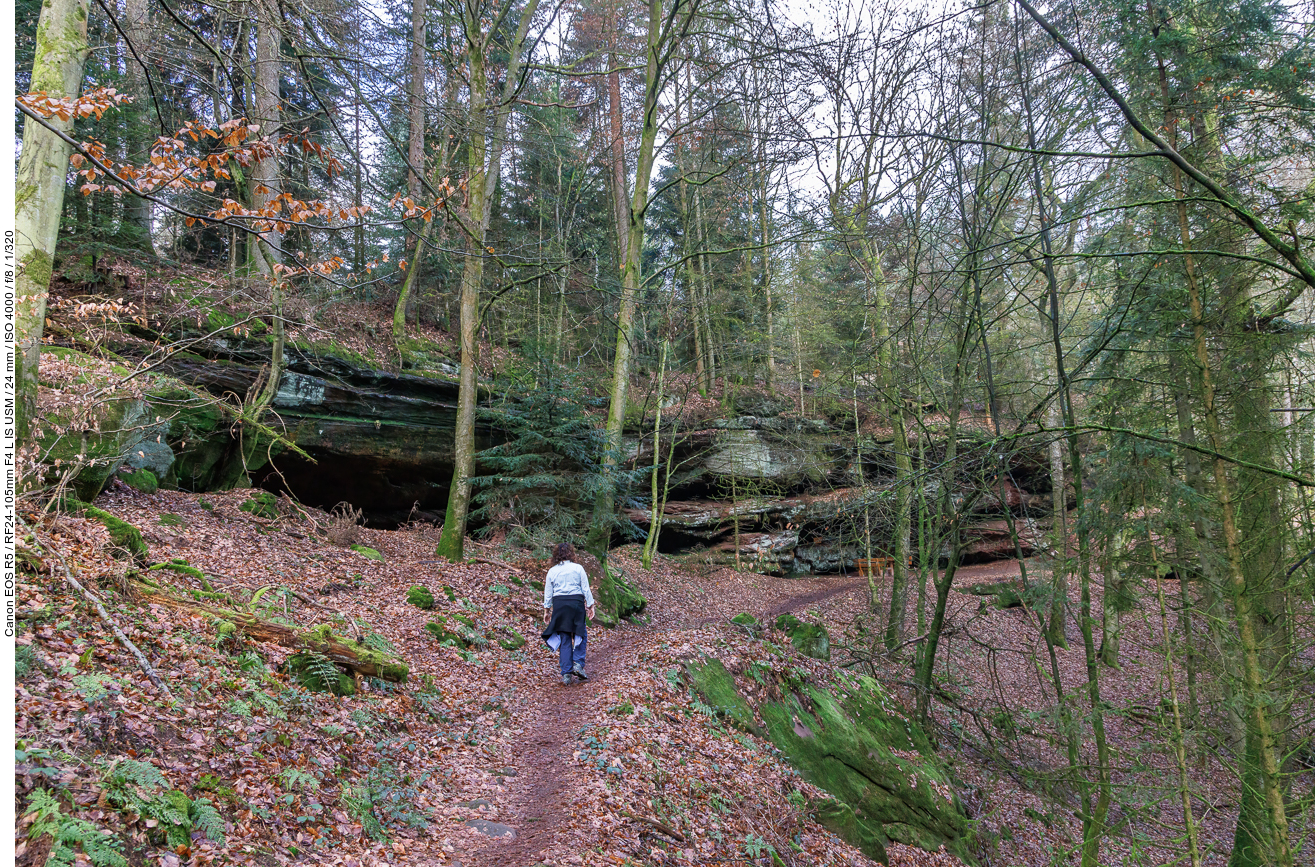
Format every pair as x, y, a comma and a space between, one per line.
550, 719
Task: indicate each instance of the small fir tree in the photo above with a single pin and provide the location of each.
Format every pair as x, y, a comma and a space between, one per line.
542, 482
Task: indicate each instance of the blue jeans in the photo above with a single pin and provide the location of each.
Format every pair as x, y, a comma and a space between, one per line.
569, 655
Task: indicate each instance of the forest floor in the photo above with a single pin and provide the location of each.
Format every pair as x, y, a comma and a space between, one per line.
625, 768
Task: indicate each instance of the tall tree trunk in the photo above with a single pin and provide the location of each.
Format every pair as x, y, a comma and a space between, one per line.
415, 160
483, 161
61, 52
136, 28
617, 144
601, 531
266, 181
1252, 550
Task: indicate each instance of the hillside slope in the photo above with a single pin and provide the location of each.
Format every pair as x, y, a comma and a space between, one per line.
628, 768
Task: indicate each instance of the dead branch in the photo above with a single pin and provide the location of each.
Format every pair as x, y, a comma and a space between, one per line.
656, 825
142, 661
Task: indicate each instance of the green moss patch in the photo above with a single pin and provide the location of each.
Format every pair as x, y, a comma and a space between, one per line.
857, 748
371, 553
420, 596
141, 480
617, 597
810, 639
883, 778
512, 639
262, 504
458, 631
180, 566
390, 667
124, 535
716, 687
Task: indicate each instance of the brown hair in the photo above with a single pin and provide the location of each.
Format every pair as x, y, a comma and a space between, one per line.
560, 554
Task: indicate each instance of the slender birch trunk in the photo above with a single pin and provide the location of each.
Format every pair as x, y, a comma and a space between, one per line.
61, 52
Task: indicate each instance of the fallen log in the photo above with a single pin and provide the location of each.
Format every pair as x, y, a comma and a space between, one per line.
322, 639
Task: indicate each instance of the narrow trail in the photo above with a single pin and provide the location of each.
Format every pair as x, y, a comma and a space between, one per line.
550, 721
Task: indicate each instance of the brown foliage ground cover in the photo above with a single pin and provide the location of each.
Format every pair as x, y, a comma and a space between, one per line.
623, 769
603, 767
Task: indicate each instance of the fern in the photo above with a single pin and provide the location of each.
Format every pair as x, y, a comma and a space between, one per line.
251, 662
69, 834
238, 707
316, 668
375, 641
206, 819
295, 778
360, 804
130, 772
269, 705
95, 686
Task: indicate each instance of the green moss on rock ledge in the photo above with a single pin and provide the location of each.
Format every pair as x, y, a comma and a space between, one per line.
617, 597
141, 480
716, 687
262, 504
857, 748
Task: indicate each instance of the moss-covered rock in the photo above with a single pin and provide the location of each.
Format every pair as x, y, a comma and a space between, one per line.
141, 480
879, 768
261, 504
616, 596
179, 433
716, 687
420, 596
749, 622
810, 639
858, 748
368, 552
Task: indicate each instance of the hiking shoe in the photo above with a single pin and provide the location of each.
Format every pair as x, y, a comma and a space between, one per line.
566, 680
578, 671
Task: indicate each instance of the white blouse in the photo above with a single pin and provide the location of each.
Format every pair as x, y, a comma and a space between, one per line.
565, 579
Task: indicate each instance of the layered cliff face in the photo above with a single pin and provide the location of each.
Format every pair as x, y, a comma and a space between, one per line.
789, 495
382, 441
776, 494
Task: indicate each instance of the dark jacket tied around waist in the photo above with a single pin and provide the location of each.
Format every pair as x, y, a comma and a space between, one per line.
567, 616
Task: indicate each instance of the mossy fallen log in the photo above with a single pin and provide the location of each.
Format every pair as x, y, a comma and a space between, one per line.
322, 639
124, 535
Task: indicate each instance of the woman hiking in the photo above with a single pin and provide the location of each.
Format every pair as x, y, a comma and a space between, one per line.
566, 600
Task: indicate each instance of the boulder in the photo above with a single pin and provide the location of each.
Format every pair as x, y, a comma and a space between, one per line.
810, 639
387, 436
877, 764
883, 777
176, 433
